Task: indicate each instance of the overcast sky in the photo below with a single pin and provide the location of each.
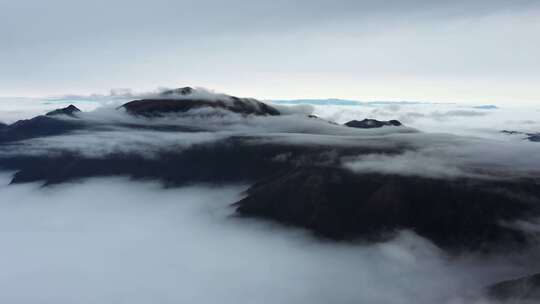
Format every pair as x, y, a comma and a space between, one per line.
475, 50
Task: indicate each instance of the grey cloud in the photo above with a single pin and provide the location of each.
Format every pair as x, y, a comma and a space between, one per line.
269, 48
184, 17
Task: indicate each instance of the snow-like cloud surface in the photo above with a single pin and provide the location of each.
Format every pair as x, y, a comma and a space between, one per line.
457, 118
112, 240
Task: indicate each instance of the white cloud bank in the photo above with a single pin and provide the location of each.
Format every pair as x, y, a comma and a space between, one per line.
117, 241
448, 156
457, 118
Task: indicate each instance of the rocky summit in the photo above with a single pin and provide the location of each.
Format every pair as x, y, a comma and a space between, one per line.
186, 99
372, 123
70, 110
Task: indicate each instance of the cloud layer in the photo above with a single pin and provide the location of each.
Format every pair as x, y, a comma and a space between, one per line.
138, 243
419, 49
447, 140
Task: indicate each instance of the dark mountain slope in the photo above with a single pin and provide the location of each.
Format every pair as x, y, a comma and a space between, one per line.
70, 110
229, 160
372, 123
335, 203
521, 290
38, 127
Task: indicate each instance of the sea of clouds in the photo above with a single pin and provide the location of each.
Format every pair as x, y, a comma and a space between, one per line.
112, 240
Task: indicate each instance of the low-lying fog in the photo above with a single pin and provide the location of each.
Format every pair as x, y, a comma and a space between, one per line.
111, 240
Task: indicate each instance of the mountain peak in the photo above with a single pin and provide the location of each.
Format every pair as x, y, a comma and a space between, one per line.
372, 123
184, 99
70, 110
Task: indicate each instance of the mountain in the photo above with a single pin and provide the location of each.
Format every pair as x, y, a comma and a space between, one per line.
338, 204
44, 125
520, 290
70, 110
185, 99
534, 137
372, 123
